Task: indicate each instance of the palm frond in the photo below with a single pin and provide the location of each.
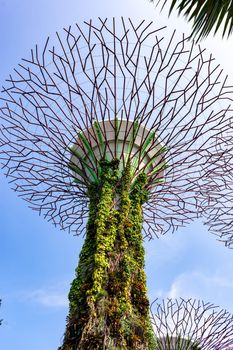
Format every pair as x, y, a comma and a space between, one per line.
205, 15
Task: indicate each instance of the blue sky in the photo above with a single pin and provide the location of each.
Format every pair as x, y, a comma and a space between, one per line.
38, 260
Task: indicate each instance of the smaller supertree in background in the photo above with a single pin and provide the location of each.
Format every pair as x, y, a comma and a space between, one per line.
191, 324
115, 131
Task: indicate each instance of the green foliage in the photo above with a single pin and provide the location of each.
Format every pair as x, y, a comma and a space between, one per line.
206, 15
108, 297
88, 169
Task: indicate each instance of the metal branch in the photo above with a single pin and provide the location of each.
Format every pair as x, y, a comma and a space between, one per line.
135, 73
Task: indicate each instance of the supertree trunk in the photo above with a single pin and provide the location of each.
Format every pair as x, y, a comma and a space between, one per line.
109, 306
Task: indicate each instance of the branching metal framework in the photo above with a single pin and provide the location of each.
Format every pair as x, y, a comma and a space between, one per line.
133, 72
204, 324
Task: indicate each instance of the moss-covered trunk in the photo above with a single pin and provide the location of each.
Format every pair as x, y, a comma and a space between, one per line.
109, 306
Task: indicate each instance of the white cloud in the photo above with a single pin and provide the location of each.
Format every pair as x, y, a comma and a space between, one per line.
52, 296
48, 298
209, 288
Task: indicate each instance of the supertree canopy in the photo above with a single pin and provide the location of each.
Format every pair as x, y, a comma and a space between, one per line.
120, 124
191, 325
130, 75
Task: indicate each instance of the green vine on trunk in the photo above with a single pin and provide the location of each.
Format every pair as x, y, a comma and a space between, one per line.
109, 306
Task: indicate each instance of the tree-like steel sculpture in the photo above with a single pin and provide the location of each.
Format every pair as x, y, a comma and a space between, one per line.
105, 123
191, 325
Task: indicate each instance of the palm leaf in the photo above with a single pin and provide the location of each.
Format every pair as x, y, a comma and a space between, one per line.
205, 15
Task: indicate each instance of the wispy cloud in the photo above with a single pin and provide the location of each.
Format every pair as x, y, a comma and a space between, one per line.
47, 297
199, 285
51, 296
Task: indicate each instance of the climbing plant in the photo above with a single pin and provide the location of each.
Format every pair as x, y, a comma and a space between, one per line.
109, 306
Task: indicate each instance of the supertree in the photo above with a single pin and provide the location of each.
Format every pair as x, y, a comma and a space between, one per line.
120, 125
191, 325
